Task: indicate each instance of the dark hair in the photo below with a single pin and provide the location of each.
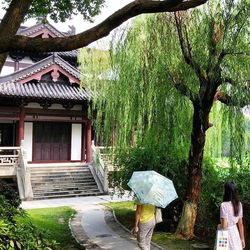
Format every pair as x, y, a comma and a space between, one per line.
231, 194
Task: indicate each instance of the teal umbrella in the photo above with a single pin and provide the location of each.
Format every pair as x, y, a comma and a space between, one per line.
153, 188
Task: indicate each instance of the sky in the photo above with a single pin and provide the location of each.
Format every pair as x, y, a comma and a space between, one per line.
110, 7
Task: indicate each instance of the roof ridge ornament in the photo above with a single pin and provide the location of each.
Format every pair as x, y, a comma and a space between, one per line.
54, 56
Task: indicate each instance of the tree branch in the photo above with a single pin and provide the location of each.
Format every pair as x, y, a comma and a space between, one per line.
186, 49
135, 8
229, 101
215, 35
231, 53
13, 18
184, 90
11, 21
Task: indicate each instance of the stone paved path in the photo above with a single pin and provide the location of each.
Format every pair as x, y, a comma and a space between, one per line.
93, 226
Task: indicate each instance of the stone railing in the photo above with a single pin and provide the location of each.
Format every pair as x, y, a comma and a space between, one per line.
23, 176
101, 171
9, 156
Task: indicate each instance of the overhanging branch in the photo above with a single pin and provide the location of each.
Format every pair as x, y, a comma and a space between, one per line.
13, 17
229, 101
135, 8
11, 21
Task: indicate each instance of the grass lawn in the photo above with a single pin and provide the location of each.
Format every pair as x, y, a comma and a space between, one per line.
55, 223
125, 213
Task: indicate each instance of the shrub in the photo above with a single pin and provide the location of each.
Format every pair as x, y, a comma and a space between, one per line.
14, 234
10, 194
170, 164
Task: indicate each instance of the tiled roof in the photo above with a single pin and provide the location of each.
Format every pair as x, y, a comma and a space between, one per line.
44, 90
10, 85
28, 31
72, 53
41, 65
35, 28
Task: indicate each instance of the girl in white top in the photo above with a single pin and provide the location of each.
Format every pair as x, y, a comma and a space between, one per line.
231, 214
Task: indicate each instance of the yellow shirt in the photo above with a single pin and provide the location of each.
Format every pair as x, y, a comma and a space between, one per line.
147, 213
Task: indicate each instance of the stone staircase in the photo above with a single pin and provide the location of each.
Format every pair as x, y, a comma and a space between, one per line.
62, 181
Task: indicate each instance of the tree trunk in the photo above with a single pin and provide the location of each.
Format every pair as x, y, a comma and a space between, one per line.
2, 60
10, 23
186, 224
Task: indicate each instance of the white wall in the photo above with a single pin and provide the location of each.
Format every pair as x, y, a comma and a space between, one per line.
76, 142
7, 70
28, 139
26, 59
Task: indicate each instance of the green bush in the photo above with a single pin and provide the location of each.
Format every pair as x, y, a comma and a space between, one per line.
167, 163
10, 194
14, 234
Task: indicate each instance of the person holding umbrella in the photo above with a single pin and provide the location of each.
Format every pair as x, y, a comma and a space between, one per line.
152, 190
144, 224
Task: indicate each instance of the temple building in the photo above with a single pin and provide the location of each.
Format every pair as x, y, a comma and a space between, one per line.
44, 126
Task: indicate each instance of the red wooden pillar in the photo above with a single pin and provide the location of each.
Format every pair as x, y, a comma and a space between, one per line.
21, 126
88, 141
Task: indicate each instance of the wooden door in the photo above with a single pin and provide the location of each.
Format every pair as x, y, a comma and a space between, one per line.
51, 141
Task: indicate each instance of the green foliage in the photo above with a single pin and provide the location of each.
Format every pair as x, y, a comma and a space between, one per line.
165, 161
63, 9
140, 105
14, 234
10, 194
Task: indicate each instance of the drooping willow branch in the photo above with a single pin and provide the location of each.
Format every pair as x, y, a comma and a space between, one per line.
186, 47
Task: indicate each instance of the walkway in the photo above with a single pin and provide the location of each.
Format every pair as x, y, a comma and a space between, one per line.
93, 226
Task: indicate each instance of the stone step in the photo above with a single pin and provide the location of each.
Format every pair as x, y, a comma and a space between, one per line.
45, 171
66, 195
62, 182
59, 182
65, 192
58, 175
60, 172
57, 179
83, 186
58, 166
59, 187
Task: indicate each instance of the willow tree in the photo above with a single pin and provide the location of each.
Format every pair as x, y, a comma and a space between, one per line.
166, 65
